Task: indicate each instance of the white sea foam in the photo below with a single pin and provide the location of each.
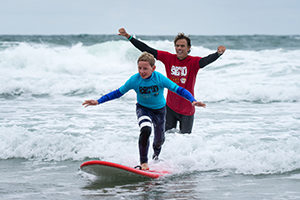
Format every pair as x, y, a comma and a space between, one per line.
270, 75
241, 153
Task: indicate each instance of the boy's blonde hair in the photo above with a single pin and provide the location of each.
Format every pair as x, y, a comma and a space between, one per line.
147, 57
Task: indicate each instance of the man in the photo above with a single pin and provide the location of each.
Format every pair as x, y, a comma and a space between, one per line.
181, 69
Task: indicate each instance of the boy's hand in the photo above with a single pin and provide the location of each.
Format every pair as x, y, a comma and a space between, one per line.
123, 32
198, 103
87, 103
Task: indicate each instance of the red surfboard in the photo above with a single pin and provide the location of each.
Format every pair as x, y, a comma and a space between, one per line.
111, 170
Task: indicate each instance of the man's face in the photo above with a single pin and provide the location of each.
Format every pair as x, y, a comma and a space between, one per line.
181, 49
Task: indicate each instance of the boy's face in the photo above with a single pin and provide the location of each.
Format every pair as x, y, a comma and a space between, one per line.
145, 69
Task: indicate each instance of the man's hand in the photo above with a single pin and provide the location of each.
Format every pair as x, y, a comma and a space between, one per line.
87, 103
123, 32
199, 104
221, 50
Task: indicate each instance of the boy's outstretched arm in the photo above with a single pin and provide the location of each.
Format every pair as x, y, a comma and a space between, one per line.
199, 103
91, 102
187, 95
110, 96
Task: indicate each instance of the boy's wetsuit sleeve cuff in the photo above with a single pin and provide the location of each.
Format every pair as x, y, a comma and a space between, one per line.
110, 96
186, 94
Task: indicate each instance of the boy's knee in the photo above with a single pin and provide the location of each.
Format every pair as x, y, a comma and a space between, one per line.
144, 135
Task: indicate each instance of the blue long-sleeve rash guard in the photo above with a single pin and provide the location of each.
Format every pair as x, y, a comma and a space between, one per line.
149, 91
110, 96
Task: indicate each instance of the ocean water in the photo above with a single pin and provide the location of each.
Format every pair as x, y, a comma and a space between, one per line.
245, 144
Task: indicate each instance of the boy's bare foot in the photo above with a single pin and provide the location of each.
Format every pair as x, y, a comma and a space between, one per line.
145, 166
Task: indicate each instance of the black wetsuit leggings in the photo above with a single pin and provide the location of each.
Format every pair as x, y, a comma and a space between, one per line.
185, 121
146, 118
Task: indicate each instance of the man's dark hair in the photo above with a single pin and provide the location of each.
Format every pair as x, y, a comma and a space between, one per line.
182, 36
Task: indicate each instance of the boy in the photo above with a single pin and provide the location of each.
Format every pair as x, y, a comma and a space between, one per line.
150, 108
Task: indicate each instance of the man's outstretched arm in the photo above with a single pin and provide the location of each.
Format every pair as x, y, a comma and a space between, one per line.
212, 57
138, 44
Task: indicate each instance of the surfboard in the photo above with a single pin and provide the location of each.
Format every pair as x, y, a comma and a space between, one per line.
104, 169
